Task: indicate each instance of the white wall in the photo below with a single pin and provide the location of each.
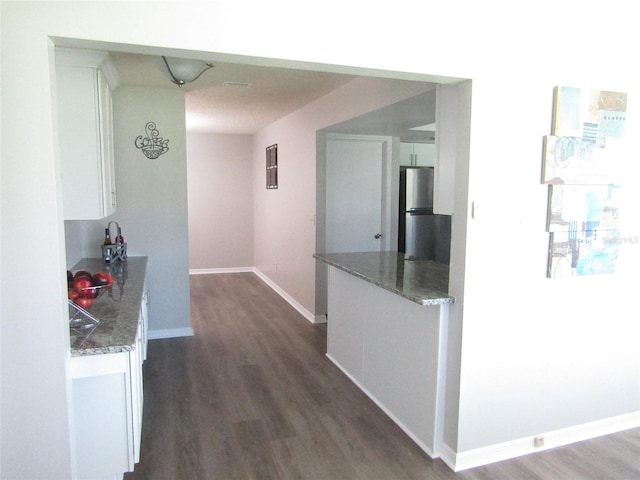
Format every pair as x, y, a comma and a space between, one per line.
537, 355
220, 190
509, 312
34, 336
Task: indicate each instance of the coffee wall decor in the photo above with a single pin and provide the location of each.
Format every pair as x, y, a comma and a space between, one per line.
152, 145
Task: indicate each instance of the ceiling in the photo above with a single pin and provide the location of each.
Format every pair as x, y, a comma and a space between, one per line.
413, 120
273, 93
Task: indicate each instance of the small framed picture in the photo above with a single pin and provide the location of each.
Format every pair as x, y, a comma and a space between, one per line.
272, 167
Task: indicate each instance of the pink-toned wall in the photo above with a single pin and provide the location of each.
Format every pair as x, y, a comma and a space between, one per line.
220, 199
285, 222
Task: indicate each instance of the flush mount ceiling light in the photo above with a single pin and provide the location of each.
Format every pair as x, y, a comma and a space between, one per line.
183, 71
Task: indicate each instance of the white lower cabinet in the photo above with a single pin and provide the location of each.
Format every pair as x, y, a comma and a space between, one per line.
107, 406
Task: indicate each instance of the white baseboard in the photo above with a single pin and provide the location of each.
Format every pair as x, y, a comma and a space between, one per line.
288, 298
170, 333
524, 446
208, 271
448, 456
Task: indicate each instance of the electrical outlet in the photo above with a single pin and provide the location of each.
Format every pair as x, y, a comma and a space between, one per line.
538, 441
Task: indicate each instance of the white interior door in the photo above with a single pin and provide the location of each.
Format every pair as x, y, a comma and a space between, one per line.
354, 195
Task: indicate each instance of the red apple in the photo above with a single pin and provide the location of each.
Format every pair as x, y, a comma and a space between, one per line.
82, 273
84, 302
102, 279
83, 285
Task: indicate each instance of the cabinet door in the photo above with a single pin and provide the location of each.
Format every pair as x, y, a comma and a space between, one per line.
424, 154
102, 415
406, 154
108, 405
105, 118
135, 361
86, 142
79, 137
144, 319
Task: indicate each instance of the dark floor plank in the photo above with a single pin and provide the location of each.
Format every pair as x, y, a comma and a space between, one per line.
253, 396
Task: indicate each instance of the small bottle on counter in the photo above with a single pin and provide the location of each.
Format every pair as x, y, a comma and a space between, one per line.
119, 238
107, 237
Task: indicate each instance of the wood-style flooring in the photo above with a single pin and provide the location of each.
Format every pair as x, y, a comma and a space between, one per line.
252, 396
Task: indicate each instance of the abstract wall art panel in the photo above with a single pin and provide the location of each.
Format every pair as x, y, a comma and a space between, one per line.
593, 115
572, 161
590, 207
572, 255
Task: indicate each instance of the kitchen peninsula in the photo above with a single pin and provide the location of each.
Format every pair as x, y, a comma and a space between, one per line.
386, 330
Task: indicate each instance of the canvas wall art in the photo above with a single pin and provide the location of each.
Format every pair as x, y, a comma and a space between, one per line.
572, 254
592, 115
591, 206
586, 128
581, 159
572, 161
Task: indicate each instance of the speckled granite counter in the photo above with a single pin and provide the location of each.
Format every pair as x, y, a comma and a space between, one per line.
117, 309
421, 281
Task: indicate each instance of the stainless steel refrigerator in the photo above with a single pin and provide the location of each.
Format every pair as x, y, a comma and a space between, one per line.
422, 234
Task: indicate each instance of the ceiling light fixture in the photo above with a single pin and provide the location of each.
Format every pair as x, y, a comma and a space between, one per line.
184, 69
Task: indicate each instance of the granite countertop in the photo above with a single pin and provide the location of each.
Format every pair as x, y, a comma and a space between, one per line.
422, 281
118, 309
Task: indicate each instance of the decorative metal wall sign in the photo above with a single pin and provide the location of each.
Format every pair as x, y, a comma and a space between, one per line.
153, 145
272, 167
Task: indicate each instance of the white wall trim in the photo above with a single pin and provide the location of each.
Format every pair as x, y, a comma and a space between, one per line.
448, 456
170, 333
209, 271
524, 446
288, 298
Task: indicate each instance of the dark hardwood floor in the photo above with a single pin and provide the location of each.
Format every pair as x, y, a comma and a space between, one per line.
252, 396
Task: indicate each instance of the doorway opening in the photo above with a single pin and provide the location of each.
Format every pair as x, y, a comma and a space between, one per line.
283, 244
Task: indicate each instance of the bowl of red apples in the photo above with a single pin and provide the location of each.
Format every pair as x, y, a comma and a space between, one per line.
84, 287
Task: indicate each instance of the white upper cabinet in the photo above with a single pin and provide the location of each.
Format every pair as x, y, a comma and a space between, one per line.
85, 134
417, 154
